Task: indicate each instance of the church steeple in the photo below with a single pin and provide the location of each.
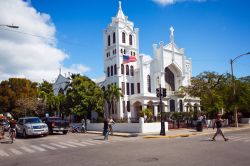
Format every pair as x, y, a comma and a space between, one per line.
120, 13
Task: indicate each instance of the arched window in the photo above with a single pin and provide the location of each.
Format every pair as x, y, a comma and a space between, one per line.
172, 105
181, 106
115, 69
111, 70
108, 71
121, 50
123, 37
124, 51
130, 40
149, 83
122, 69
132, 70
114, 37
109, 40
169, 78
127, 70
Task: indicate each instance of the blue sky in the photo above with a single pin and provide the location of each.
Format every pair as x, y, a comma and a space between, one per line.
211, 31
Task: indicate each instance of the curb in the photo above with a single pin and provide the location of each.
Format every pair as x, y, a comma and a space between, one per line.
115, 134
193, 134
168, 136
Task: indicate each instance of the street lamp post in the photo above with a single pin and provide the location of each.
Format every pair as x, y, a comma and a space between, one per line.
233, 83
9, 26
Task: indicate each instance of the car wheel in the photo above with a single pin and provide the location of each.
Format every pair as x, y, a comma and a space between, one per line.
65, 132
24, 134
50, 131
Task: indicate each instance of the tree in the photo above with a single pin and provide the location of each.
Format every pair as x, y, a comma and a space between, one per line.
112, 95
205, 86
15, 91
84, 96
147, 114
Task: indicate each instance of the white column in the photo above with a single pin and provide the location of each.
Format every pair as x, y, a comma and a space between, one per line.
156, 110
141, 75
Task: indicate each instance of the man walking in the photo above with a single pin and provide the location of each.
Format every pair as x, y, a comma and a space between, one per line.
218, 123
106, 128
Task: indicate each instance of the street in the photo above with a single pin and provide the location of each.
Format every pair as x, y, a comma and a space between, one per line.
91, 149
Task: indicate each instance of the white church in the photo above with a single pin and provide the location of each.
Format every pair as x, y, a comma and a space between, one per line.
139, 78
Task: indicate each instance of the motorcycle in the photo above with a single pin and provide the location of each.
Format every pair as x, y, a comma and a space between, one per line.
78, 129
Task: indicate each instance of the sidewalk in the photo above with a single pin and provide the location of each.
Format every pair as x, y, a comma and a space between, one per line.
173, 133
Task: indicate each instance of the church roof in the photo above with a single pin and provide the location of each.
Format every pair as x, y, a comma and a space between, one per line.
61, 79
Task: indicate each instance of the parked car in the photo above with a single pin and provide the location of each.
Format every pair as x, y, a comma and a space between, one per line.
31, 126
56, 124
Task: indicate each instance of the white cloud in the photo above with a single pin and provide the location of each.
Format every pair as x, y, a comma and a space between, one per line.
23, 55
170, 2
146, 58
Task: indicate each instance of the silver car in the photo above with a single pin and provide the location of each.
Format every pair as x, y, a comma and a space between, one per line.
31, 126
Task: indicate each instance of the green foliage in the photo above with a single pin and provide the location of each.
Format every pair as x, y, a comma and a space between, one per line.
112, 95
18, 96
216, 92
84, 96
146, 113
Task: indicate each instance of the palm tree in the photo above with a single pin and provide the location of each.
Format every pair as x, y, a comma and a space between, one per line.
112, 95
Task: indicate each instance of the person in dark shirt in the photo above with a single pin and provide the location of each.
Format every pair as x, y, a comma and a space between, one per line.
106, 128
12, 123
218, 123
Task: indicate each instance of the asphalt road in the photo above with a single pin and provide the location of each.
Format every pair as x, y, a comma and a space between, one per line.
92, 150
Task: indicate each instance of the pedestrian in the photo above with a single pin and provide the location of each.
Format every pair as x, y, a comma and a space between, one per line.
111, 123
105, 128
218, 124
205, 121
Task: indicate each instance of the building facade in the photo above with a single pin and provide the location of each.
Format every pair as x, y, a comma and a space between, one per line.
138, 79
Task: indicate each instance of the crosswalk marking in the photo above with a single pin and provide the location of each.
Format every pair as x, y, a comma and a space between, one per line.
38, 148
27, 149
247, 140
75, 143
57, 145
86, 143
91, 141
242, 138
17, 152
47, 146
2, 153
67, 144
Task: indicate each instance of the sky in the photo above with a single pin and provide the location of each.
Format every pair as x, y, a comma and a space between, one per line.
68, 34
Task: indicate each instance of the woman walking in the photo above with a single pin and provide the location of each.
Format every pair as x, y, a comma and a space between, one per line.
218, 124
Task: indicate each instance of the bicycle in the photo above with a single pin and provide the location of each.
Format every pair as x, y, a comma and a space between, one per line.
12, 135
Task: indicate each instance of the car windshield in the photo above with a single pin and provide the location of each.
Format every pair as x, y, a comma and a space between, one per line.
33, 120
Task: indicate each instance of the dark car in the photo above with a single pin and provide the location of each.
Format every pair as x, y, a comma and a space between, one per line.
56, 124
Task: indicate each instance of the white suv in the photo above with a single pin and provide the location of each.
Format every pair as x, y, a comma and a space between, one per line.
29, 126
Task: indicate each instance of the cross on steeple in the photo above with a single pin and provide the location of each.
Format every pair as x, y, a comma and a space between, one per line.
171, 34
120, 4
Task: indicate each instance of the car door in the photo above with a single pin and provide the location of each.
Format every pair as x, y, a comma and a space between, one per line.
20, 124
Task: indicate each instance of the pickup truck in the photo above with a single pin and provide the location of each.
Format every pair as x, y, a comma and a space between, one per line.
56, 124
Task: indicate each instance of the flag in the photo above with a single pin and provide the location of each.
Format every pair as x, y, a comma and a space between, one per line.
127, 59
